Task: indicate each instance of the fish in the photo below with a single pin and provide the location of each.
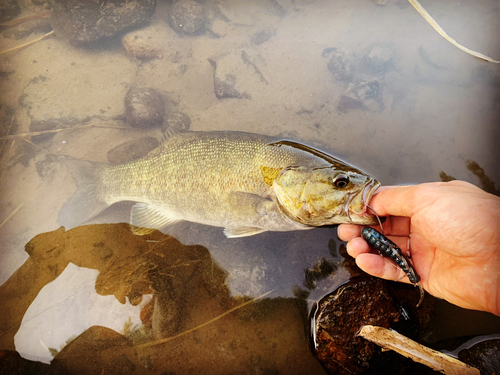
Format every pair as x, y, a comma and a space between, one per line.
245, 183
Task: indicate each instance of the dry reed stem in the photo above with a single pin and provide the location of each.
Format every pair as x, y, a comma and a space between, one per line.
30, 134
27, 44
420, 9
157, 342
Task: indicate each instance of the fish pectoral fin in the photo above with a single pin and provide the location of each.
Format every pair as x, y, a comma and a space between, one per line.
249, 204
242, 232
144, 218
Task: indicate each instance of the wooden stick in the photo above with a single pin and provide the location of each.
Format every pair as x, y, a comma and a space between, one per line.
438, 361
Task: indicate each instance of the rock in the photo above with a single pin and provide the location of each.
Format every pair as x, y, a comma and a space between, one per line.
84, 22
236, 74
157, 40
176, 122
187, 17
484, 356
132, 150
144, 107
262, 36
347, 104
364, 300
46, 165
340, 65
140, 47
277, 9
27, 28
379, 60
226, 88
8, 10
366, 96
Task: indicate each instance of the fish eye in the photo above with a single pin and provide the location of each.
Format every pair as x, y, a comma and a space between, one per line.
341, 181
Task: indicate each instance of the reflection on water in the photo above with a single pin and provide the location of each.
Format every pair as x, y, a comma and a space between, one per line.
185, 290
373, 85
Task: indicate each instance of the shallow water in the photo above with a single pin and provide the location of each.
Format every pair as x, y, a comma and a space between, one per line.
404, 105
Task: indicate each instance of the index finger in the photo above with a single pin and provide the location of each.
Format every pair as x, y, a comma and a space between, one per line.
400, 200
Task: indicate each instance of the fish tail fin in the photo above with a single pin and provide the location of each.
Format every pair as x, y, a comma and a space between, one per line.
86, 201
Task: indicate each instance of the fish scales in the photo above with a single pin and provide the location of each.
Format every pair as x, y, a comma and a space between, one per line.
228, 179
199, 170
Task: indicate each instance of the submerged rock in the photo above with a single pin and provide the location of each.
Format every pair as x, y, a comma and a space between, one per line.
132, 150
366, 96
176, 121
262, 36
9, 9
188, 17
27, 28
84, 22
379, 60
340, 65
237, 74
144, 107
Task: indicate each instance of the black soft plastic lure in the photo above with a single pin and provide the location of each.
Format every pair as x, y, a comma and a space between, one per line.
389, 249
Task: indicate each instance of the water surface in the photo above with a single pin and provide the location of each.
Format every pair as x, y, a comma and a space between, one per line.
373, 85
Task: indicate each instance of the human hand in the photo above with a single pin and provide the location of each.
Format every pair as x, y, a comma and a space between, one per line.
454, 242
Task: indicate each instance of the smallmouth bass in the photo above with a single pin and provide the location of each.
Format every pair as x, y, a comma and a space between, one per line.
245, 183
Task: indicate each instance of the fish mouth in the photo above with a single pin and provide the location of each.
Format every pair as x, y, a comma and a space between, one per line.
356, 204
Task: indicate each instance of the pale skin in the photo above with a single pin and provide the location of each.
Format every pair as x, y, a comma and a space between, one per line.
454, 242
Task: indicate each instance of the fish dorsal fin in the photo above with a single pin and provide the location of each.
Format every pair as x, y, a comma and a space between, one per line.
144, 218
242, 232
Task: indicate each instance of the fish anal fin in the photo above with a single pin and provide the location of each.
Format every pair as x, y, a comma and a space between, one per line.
242, 232
145, 218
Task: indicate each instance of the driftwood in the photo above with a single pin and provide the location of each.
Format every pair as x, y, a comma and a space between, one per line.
391, 340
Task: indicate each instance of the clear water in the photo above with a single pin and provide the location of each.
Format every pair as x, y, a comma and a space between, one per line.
429, 108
